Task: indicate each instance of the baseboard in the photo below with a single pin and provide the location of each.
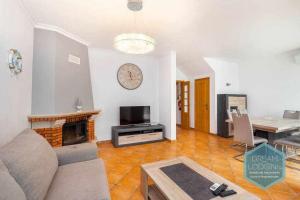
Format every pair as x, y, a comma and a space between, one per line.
104, 142
169, 140
190, 128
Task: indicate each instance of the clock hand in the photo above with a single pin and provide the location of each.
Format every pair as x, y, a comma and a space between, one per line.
130, 75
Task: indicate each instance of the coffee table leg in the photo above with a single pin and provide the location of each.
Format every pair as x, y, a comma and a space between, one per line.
144, 183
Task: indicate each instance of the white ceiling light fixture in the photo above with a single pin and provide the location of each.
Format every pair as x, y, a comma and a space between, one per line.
134, 43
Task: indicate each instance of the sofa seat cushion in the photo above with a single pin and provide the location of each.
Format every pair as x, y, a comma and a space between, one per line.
81, 180
32, 162
10, 190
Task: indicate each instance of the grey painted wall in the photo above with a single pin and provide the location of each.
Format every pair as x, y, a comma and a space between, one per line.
57, 83
44, 56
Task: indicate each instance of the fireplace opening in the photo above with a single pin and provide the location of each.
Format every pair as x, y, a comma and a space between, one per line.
74, 133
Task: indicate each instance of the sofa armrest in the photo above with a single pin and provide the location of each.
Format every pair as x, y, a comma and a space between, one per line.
76, 153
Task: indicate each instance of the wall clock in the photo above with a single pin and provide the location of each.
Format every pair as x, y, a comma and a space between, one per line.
15, 61
130, 76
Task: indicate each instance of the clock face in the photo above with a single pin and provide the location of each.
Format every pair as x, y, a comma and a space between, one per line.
130, 76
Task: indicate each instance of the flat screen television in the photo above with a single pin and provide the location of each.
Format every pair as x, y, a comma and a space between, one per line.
130, 115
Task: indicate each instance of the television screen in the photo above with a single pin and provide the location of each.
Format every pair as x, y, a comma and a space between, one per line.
134, 115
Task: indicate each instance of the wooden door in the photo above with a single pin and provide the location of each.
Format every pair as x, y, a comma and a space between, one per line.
202, 105
185, 104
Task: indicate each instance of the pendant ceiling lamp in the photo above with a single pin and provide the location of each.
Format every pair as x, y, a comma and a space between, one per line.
134, 43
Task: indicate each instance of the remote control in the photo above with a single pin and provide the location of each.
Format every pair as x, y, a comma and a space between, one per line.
220, 189
214, 187
227, 193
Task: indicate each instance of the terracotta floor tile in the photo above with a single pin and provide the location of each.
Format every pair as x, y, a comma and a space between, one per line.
276, 195
259, 192
281, 187
294, 185
211, 151
128, 184
119, 192
297, 197
244, 183
137, 195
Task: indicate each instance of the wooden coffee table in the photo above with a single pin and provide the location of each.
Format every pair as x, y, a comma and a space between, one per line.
164, 188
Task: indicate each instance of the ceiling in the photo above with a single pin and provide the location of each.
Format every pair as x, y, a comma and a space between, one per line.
193, 28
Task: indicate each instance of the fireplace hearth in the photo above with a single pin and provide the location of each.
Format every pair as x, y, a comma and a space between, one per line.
66, 129
74, 133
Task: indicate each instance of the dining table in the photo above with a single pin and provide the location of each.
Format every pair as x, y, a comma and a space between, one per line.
273, 128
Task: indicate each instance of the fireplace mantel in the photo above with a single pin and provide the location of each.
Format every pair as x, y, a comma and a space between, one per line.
55, 117
50, 126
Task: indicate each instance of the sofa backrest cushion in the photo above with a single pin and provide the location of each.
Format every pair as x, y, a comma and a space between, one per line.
32, 162
9, 190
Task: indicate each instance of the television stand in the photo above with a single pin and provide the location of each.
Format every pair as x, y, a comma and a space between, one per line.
139, 125
137, 134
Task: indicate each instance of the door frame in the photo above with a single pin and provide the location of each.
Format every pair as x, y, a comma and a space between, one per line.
178, 82
188, 114
208, 106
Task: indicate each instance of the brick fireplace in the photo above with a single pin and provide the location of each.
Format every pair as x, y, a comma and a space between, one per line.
53, 127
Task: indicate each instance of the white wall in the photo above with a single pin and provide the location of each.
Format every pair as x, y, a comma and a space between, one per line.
167, 93
199, 70
181, 76
192, 73
16, 31
109, 95
272, 85
220, 73
224, 73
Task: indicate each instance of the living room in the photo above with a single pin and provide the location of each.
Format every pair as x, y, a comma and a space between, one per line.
138, 105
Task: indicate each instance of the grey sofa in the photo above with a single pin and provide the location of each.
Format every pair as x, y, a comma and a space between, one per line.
30, 169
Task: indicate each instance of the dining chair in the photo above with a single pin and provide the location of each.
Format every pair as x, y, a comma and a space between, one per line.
231, 126
291, 142
229, 114
243, 131
292, 114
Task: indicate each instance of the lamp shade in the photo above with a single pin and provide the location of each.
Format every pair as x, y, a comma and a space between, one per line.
134, 43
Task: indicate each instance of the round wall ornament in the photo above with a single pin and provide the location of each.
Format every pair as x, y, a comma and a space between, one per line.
15, 61
130, 76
